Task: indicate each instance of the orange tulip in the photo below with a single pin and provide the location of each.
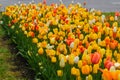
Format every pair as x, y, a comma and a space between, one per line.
107, 40
113, 44
82, 48
114, 75
85, 69
106, 75
107, 24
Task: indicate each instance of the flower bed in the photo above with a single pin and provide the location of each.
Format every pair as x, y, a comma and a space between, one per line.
65, 43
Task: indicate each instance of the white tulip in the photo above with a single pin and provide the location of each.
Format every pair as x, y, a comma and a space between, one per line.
99, 40
116, 18
62, 62
117, 64
115, 29
72, 45
112, 68
76, 59
80, 5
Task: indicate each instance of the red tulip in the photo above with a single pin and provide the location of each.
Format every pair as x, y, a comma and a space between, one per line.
55, 10
114, 34
95, 28
95, 58
36, 28
69, 41
52, 4
82, 48
117, 13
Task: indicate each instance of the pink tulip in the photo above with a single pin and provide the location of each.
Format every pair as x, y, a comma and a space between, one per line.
108, 63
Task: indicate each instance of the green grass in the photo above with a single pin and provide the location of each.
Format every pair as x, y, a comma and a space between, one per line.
6, 62
109, 13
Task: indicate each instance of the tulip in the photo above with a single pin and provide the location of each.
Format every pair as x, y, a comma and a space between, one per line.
73, 71
72, 45
59, 72
106, 75
95, 28
44, 1
117, 13
89, 77
40, 51
95, 58
111, 18
69, 41
108, 63
95, 68
52, 40
76, 59
107, 40
71, 59
35, 40
80, 63
62, 62
85, 69
53, 59
116, 18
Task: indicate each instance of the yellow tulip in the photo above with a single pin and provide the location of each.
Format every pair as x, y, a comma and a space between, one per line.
44, 44
111, 18
71, 59
35, 40
73, 71
40, 51
89, 77
53, 59
59, 72
52, 40
95, 68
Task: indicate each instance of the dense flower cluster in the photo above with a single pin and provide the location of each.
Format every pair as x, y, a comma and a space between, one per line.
81, 44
